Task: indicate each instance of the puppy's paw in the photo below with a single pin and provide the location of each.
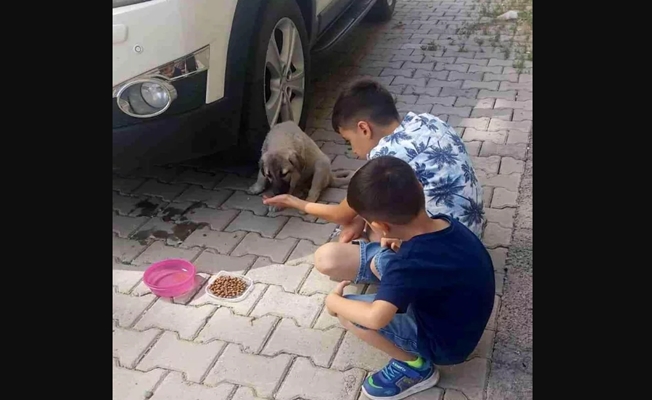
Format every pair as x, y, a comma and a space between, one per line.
273, 209
256, 189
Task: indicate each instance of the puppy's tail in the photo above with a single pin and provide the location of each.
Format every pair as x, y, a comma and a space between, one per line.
341, 178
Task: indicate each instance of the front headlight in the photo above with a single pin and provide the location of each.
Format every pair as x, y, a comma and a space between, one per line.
151, 93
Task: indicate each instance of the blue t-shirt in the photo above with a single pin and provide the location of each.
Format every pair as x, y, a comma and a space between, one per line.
447, 278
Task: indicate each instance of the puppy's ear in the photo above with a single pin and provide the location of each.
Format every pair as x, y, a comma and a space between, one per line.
294, 159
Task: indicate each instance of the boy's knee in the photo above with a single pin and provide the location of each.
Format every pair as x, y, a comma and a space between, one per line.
325, 258
374, 269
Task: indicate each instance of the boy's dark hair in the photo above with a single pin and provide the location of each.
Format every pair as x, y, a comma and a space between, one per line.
386, 189
364, 99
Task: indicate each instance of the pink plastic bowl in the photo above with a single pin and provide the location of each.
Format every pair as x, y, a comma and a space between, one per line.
170, 278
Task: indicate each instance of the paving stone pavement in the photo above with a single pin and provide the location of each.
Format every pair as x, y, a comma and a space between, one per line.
280, 343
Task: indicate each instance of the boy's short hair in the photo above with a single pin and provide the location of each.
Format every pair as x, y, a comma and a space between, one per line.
386, 189
364, 99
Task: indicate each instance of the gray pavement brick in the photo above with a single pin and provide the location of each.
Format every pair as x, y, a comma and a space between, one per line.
317, 233
456, 76
475, 123
470, 93
517, 105
331, 148
408, 99
247, 221
302, 309
353, 352
496, 236
162, 174
207, 180
261, 373
315, 344
445, 101
127, 308
509, 182
498, 257
131, 385
400, 80
501, 77
487, 194
504, 63
290, 212
174, 317
158, 251
287, 276
515, 150
193, 359
472, 147
509, 165
235, 182
469, 377
320, 283
502, 216
333, 195
306, 381
303, 249
522, 115
490, 70
397, 72
471, 134
124, 226
164, 191
477, 104
241, 308
248, 332
124, 205
428, 66
499, 124
439, 75
244, 201
444, 84
216, 219
382, 64
489, 165
518, 86
434, 92
507, 95
371, 71
518, 137
504, 198
128, 345
327, 135
459, 111
223, 242
414, 58
126, 185
245, 393
342, 162
211, 262
126, 276
126, 250
451, 67
499, 277
523, 78
174, 387
210, 198
275, 249
462, 60
502, 113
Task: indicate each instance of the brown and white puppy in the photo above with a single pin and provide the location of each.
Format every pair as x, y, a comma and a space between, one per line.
289, 158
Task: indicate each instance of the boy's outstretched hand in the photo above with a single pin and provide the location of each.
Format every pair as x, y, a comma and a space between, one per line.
282, 201
339, 291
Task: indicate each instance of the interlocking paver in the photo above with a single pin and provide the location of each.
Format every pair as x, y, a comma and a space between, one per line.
333, 195
158, 251
170, 352
265, 226
127, 308
261, 373
522, 105
211, 262
124, 205
469, 377
522, 115
316, 383
207, 180
353, 352
241, 308
126, 276
165, 191
471, 134
275, 249
498, 113
174, 387
216, 219
509, 182
126, 185
445, 101
499, 124
518, 137
173, 317
128, 345
320, 283
243, 201
126, 250
245, 393
452, 394
210, 198
287, 276
317, 344
303, 249
516, 150
123, 226
302, 309
495, 235
489, 165
233, 328
222, 242
296, 228
132, 385
503, 217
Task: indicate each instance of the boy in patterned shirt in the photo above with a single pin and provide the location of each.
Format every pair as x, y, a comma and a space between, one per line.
366, 117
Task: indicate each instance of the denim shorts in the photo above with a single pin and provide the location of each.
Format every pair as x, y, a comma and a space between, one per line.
369, 251
401, 330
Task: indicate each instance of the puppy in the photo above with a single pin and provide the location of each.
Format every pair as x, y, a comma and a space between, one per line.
289, 158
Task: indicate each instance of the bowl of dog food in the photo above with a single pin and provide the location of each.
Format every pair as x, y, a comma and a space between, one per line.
170, 278
227, 286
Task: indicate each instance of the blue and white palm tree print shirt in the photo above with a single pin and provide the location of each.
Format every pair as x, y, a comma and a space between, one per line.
438, 156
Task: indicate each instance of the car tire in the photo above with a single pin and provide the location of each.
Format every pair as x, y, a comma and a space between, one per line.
272, 22
382, 11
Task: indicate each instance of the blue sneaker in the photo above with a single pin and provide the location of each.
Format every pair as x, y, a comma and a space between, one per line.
398, 380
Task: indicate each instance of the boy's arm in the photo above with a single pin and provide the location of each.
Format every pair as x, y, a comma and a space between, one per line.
374, 315
341, 214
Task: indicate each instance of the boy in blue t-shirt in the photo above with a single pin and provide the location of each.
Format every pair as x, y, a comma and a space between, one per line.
436, 288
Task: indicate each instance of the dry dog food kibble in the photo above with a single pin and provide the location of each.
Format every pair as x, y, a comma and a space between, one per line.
228, 287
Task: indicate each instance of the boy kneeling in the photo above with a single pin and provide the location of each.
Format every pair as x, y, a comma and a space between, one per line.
436, 288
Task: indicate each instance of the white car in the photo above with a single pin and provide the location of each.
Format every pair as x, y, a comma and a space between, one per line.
193, 77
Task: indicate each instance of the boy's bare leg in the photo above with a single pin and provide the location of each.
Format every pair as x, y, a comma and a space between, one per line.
339, 261
378, 341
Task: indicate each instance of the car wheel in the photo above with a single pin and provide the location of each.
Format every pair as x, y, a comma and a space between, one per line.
382, 10
277, 75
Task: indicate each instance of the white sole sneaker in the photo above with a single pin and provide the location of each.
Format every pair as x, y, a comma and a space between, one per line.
427, 384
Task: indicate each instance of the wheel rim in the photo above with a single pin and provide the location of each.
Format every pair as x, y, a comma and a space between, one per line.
285, 79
